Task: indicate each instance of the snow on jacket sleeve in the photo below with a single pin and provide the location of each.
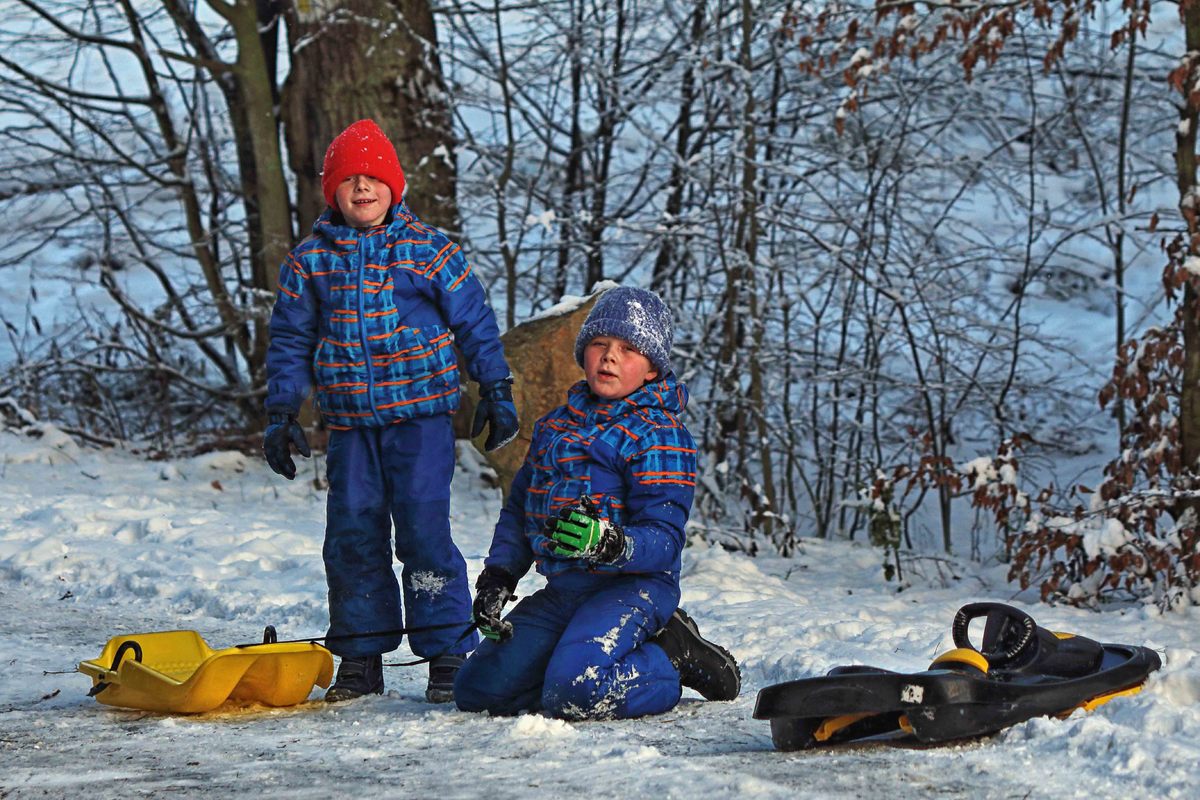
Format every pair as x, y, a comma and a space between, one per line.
660, 481
463, 304
293, 327
510, 548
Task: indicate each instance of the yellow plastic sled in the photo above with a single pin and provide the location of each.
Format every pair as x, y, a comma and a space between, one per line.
176, 672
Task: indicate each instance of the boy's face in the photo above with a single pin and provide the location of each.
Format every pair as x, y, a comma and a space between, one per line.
364, 201
614, 369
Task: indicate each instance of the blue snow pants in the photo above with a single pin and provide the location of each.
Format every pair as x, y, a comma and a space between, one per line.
398, 474
579, 651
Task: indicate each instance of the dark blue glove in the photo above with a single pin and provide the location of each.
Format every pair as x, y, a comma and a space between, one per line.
283, 430
493, 589
496, 407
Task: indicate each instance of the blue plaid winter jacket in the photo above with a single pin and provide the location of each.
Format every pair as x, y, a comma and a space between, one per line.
633, 457
370, 316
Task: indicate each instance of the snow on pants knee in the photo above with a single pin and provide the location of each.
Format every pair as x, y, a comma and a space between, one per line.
579, 654
379, 476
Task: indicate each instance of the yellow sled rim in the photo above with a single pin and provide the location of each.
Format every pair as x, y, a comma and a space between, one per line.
176, 672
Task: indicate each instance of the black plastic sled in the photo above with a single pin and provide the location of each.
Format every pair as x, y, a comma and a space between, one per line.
1020, 671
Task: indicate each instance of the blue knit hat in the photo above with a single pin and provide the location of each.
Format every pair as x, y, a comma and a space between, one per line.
638, 316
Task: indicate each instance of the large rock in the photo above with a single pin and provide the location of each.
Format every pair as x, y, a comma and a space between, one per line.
541, 355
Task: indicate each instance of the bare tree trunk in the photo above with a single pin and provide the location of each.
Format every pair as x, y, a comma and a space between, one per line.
250, 95
1185, 170
609, 108
568, 214
507, 251
1118, 245
354, 59
670, 252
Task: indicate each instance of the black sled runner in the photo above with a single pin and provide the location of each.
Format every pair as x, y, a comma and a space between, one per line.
1020, 671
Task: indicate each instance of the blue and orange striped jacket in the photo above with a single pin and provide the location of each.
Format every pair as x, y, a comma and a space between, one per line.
633, 457
369, 318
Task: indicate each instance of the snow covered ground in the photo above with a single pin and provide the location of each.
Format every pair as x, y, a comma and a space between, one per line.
94, 543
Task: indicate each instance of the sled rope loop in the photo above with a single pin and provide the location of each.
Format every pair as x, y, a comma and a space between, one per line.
116, 662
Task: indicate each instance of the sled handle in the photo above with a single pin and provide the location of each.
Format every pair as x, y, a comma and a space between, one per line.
1006, 635
122, 650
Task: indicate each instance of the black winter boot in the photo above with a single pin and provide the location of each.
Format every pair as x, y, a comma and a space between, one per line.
706, 667
442, 670
356, 676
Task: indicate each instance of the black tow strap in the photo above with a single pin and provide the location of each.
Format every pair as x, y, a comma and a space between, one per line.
270, 637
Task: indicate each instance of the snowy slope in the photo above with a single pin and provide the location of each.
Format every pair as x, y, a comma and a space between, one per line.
93, 544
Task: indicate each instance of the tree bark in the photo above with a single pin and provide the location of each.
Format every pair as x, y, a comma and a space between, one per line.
355, 59
1185, 166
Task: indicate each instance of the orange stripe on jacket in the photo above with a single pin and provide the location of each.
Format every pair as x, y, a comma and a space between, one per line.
409, 241
442, 256
415, 400
461, 278
627, 432
387, 358
387, 334
393, 358
450, 368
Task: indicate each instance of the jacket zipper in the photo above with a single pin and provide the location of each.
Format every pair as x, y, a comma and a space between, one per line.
362, 330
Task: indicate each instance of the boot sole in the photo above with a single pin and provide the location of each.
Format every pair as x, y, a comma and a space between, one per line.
335, 695
439, 695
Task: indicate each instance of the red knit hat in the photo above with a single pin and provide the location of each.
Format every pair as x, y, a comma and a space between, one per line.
361, 149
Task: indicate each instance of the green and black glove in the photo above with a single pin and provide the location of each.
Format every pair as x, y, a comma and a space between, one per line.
578, 532
493, 589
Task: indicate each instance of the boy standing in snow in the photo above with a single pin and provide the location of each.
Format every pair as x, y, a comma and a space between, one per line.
600, 504
368, 308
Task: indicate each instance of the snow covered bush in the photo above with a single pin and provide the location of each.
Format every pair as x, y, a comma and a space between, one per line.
1138, 534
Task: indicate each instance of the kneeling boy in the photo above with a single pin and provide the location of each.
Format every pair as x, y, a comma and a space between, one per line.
600, 504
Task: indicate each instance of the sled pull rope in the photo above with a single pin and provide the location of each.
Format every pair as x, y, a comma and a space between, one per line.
116, 662
270, 636
420, 661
